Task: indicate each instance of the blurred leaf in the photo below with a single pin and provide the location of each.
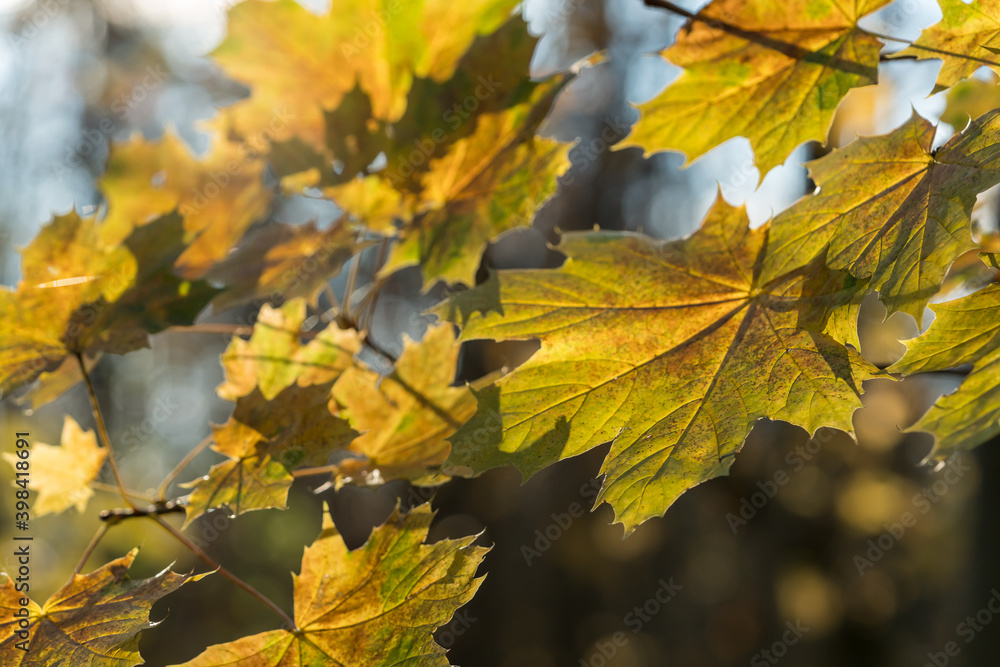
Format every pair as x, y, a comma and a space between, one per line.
265, 440
778, 84
62, 475
284, 261
377, 605
406, 416
219, 196
671, 351
95, 619
964, 331
274, 357
891, 209
299, 64
967, 35
970, 99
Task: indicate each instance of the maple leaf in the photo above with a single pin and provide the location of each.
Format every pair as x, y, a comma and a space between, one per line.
274, 357
776, 79
78, 295
970, 99
286, 261
95, 619
219, 196
462, 166
891, 209
381, 46
376, 605
265, 440
966, 38
964, 331
406, 416
671, 351
62, 475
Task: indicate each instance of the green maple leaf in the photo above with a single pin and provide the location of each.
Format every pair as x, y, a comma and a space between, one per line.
964, 331
377, 605
966, 38
892, 210
778, 84
671, 351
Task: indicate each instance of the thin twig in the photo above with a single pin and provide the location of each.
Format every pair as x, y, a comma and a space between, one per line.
352, 281
215, 327
111, 517
794, 50
102, 431
161, 491
212, 563
103, 528
321, 470
111, 488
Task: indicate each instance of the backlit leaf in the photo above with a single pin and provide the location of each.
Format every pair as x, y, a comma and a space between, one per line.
62, 475
965, 39
377, 605
890, 209
778, 84
964, 331
380, 45
94, 620
219, 196
670, 350
275, 358
406, 416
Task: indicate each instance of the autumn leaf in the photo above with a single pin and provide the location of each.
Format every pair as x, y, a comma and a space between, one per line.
671, 351
406, 416
62, 475
275, 358
305, 63
219, 196
265, 440
775, 78
95, 619
970, 99
891, 209
376, 605
966, 38
284, 261
964, 331
462, 166
78, 295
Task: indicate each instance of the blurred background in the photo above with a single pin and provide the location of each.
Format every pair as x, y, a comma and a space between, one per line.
803, 534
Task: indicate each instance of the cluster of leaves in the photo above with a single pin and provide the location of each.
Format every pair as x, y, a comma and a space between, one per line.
425, 136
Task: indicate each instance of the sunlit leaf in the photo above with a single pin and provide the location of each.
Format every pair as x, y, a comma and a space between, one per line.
671, 351
964, 331
305, 64
967, 38
778, 83
891, 209
94, 620
284, 262
406, 416
275, 358
62, 475
219, 195
377, 605
265, 440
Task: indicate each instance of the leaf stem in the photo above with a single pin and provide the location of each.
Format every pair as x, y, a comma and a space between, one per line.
103, 528
161, 491
212, 563
102, 431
